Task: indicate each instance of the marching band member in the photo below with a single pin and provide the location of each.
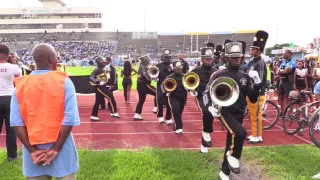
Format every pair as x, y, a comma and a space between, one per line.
204, 73
144, 87
165, 69
112, 85
223, 63
102, 88
216, 56
177, 98
257, 64
232, 116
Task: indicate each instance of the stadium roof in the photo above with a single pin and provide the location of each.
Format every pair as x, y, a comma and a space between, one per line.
222, 32
171, 34
206, 33
246, 31
196, 33
58, 1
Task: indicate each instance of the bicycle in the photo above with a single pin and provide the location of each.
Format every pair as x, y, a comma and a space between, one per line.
266, 105
314, 128
302, 115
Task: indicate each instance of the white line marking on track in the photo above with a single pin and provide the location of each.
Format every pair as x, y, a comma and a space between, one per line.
149, 133
294, 134
143, 121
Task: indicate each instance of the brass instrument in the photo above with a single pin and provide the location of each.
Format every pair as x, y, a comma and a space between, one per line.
170, 84
25, 67
60, 67
191, 81
224, 91
104, 77
153, 72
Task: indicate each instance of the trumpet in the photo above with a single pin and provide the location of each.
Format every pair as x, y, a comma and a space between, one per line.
191, 81
170, 84
153, 72
224, 91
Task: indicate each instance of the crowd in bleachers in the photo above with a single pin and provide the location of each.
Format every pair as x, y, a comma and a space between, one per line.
68, 50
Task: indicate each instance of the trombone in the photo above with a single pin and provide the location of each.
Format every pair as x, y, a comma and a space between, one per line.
224, 92
191, 81
170, 85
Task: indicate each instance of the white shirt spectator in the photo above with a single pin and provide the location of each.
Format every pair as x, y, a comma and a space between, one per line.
7, 73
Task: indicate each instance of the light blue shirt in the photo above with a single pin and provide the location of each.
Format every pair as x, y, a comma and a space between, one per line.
316, 89
290, 64
66, 162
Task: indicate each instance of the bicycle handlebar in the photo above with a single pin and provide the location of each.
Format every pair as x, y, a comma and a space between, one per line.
306, 92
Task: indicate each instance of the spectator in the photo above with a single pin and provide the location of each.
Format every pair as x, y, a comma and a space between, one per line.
185, 64
287, 69
7, 73
127, 80
48, 146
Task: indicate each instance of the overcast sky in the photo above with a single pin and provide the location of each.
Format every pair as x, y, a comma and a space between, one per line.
296, 21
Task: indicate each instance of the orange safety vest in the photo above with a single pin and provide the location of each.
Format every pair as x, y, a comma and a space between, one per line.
41, 101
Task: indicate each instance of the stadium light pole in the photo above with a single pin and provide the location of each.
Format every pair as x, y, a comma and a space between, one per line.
191, 44
277, 37
144, 21
197, 40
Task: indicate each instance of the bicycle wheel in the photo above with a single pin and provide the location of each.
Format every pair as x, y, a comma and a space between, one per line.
314, 130
270, 118
292, 114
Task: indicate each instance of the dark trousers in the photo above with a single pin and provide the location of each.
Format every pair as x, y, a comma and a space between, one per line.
11, 138
101, 93
143, 90
162, 100
125, 82
207, 118
103, 102
235, 137
177, 106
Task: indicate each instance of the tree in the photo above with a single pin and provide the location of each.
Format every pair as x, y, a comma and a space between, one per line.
276, 46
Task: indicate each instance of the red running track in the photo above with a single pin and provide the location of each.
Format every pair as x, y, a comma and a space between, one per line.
125, 133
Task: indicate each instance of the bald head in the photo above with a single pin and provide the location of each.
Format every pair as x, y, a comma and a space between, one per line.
180, 56
45, 57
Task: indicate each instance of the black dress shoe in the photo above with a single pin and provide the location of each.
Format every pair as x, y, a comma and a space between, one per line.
234, 170
12, 159
206, 143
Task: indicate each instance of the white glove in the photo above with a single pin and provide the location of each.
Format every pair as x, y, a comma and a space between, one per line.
222, 68
255, 76
102, 83
171, 66
156, 79
213, 111
168, 94
194, 94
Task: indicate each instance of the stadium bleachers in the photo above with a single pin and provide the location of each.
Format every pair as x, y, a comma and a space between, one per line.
123, 42
66, 49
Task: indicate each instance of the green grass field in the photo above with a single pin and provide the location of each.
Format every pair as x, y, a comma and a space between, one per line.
274, 163
77, 71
